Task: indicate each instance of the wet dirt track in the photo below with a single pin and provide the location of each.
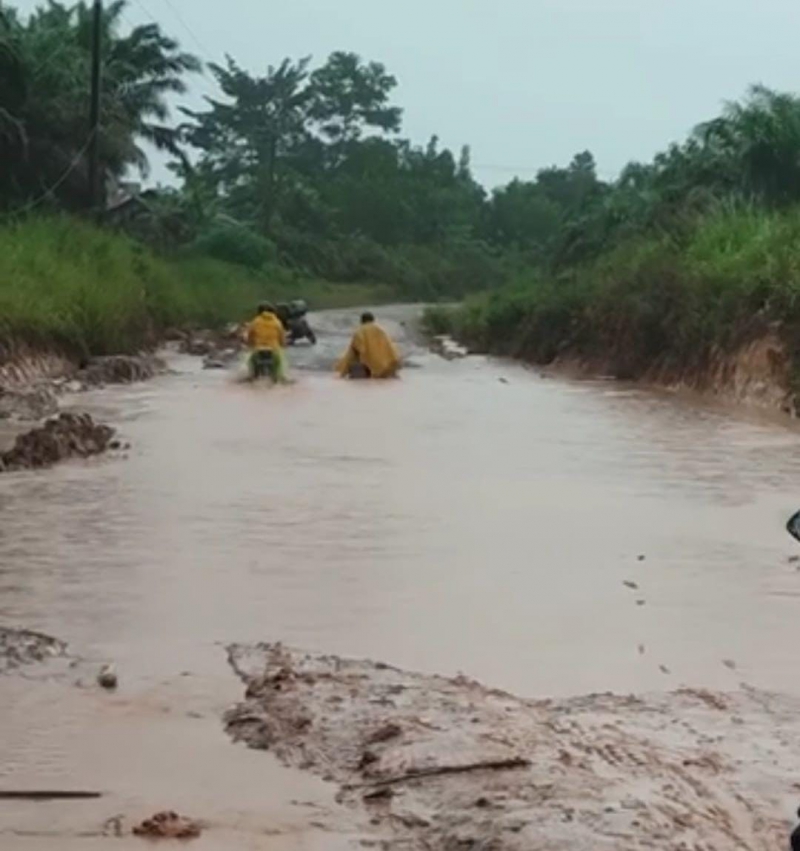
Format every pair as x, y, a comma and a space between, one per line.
449, 521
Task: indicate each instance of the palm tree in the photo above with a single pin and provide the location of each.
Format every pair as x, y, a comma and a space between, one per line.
49, 99
759, 138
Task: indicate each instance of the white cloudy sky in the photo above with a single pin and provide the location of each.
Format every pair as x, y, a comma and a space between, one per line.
526, 83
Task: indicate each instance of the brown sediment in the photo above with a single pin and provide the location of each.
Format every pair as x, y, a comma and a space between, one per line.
19, 647
168, 825
62, 437
471, 767
120, 369
757, 373
31, 381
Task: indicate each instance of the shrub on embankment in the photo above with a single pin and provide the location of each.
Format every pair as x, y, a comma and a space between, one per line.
666, 301
88, 291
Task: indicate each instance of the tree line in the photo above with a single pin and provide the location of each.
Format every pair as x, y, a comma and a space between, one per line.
305, 165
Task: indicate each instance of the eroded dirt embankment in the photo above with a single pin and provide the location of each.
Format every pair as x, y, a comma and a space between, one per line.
757, 374
32, 384
450, 764
31, 381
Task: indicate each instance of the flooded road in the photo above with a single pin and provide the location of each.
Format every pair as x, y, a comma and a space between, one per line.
473, 516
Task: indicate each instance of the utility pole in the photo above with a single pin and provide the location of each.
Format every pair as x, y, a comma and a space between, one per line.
94, 111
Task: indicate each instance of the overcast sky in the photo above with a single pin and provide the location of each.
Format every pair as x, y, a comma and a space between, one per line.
526, 83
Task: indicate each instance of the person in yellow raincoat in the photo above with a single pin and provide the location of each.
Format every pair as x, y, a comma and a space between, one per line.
266, 334
371, 353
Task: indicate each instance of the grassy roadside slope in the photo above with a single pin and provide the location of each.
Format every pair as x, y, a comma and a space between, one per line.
67, 284
658, 301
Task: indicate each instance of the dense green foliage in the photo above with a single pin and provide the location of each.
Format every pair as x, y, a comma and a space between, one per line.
651, 301
44, 116
692, 254
301, 172
91, 291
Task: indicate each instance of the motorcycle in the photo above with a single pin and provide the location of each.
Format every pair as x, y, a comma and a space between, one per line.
263, 364
293, 317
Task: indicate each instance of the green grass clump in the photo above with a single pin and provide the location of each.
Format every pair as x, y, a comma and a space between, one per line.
652, 300
89, 291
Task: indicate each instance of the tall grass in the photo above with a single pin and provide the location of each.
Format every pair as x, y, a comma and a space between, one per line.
656, 299
89, 291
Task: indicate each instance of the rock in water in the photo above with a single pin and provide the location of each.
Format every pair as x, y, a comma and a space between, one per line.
107, 678
168, 825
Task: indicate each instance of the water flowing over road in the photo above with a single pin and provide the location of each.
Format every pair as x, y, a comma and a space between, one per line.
545, 536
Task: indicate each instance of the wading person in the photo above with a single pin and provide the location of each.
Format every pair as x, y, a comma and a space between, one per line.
371, 353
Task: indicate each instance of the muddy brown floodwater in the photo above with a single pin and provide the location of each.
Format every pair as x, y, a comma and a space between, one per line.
546, 537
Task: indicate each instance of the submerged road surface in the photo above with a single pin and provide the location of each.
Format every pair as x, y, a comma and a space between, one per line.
548, 537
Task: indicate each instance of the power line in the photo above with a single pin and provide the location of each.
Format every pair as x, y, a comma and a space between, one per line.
186, 26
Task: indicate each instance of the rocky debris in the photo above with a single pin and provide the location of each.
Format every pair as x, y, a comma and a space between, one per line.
197, 346
32, 403
120, 369
200, 343
107, 677
447, 348
62, 437
20, 647
168, 825
219, 349
444, 763
220, 359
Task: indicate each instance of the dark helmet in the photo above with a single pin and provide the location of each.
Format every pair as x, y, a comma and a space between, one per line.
367, 317
266, 307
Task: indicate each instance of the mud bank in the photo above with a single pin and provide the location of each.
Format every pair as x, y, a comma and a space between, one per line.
450, 764
32, 382
757, 374
60, 438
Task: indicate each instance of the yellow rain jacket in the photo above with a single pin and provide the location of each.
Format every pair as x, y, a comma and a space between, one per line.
372, 347
266, 332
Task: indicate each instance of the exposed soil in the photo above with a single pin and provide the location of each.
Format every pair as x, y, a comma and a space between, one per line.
758, 374
120, 369
31, 386
62, 437
450, 764
30, 404
20, 647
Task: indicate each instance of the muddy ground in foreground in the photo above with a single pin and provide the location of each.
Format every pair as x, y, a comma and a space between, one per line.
435, 763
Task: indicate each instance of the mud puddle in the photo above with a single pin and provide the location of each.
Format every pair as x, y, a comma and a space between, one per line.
471, 517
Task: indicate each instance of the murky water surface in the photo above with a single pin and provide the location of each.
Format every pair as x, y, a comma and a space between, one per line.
473, 516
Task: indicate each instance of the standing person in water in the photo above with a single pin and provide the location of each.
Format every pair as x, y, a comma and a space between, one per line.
266, 334
371, 353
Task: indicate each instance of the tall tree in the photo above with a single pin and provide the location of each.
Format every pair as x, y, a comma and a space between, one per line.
245, 138
269, 136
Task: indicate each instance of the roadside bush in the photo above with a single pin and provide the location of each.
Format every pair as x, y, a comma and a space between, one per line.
89, 291
652, 299
234, 244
